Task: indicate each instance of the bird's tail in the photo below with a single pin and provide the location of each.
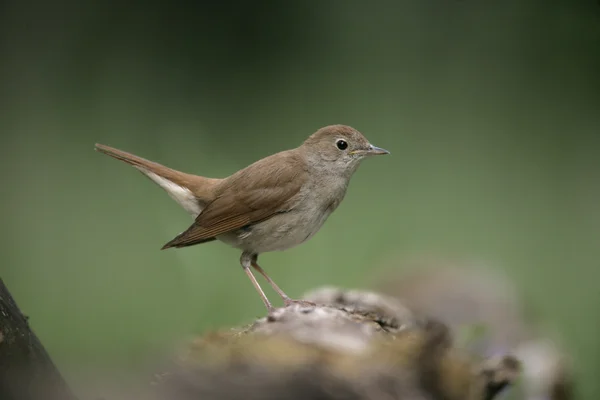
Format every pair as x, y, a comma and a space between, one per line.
192, 192
140, 163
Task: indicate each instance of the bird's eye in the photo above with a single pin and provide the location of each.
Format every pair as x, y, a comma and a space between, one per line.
342, 144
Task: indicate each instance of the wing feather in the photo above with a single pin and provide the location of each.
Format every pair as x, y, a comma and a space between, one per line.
256, 193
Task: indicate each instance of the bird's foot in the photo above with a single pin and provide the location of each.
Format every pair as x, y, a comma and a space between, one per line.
271, 311
288, 302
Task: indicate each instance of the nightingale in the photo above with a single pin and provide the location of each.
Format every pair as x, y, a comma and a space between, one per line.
273, 204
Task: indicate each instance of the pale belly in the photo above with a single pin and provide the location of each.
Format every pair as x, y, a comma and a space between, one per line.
279, 232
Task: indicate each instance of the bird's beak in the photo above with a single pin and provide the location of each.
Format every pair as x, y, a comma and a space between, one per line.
374, 151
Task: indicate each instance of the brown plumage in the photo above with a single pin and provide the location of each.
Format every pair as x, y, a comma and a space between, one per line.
201, 187
251, 195
273, 204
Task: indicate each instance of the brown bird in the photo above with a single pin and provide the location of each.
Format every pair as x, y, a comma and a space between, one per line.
273, 204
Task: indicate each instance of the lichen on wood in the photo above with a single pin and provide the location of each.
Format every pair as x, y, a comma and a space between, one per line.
353, 345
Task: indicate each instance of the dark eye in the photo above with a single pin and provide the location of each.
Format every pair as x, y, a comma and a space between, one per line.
342, 144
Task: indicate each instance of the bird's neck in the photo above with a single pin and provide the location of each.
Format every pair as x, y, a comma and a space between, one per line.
329, 180
321, 167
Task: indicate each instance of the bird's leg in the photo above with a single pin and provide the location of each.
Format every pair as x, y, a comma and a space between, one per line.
246, 261
280, 292
287, 300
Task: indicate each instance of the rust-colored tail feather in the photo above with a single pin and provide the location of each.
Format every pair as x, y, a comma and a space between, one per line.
127, 157
140, 162
200, 186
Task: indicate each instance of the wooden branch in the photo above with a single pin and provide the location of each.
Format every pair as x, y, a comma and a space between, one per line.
26, 370
354, 346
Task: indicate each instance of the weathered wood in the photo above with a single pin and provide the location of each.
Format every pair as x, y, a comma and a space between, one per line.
26, 370
353, 346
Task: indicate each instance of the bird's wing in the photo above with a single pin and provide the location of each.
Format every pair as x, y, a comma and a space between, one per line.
253, 194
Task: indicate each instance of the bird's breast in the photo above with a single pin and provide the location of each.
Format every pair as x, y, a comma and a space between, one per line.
283, 230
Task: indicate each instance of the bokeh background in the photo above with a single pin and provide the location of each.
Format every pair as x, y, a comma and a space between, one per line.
491, 110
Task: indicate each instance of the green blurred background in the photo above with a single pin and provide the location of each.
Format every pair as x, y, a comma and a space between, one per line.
491, 110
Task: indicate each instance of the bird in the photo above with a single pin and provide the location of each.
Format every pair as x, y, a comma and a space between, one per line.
273, 204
